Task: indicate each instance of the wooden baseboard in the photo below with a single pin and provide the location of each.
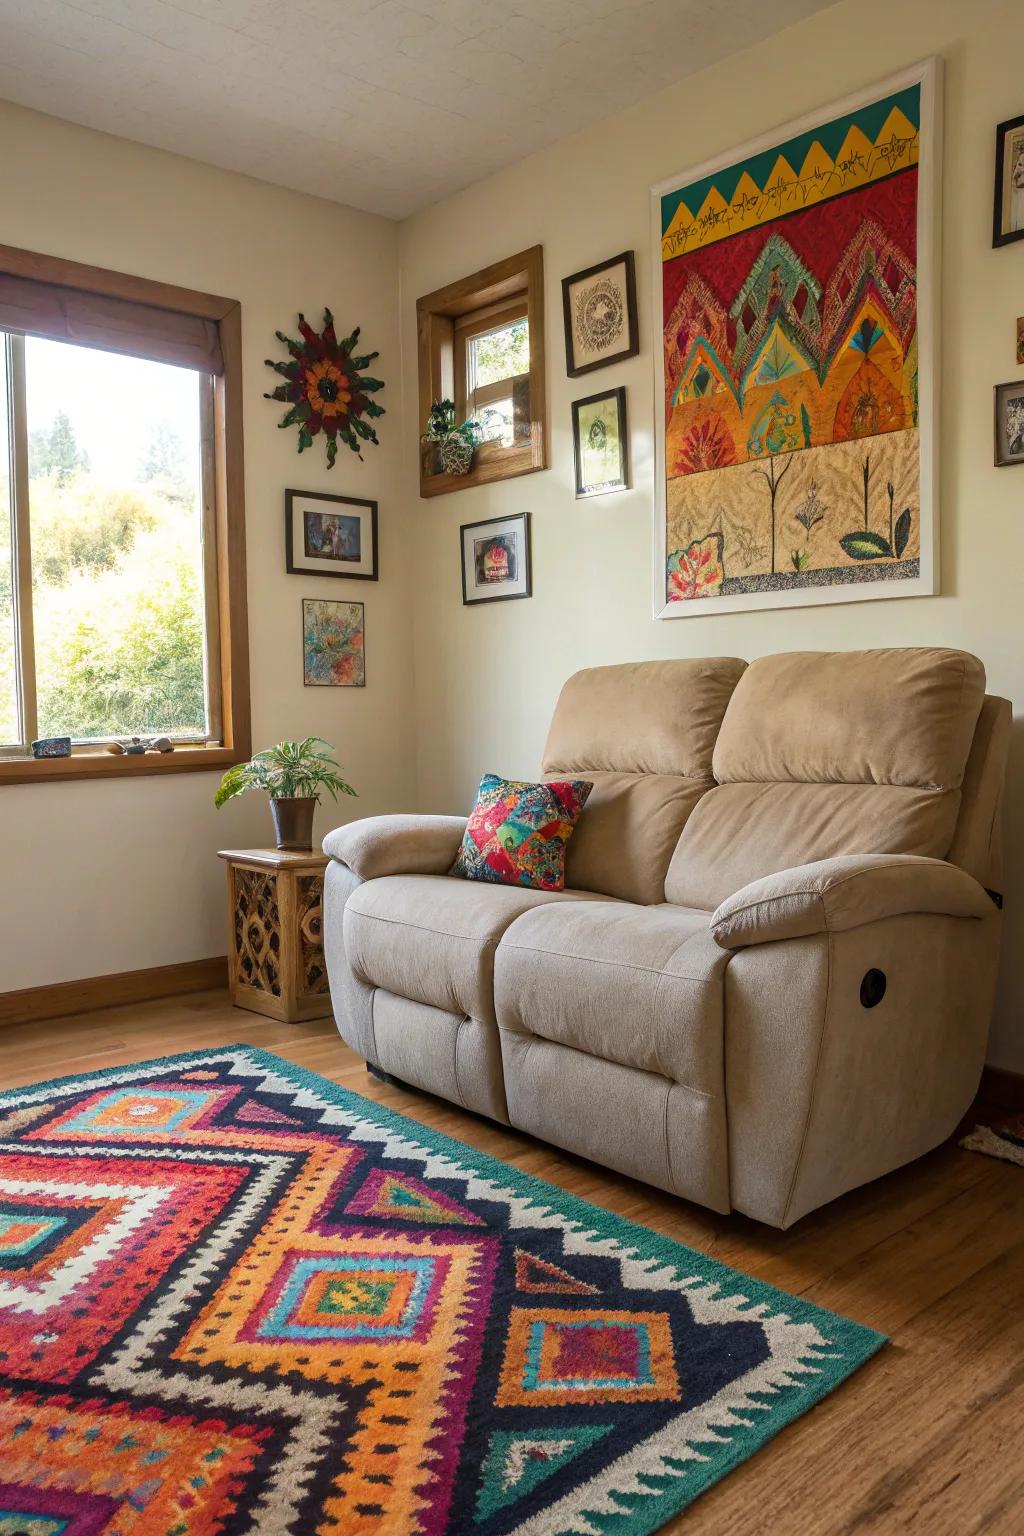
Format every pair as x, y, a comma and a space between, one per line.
1002, 1089
92, 992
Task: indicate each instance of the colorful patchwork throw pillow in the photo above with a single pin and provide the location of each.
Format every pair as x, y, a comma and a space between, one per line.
517, 832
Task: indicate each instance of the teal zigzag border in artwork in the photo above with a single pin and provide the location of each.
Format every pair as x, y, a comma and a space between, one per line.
829, 135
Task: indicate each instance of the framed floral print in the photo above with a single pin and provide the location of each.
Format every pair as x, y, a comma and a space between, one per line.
1008, 212
330, 535
599, 443
496, 559
599, 311
333, 653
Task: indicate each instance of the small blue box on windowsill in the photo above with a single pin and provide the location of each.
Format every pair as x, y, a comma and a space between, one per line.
52, 746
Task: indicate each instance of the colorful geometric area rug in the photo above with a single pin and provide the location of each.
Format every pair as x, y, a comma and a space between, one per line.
237, 1298
1004, 1140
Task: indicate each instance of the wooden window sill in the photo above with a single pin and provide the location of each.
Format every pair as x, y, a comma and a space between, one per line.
505, 464
108, 765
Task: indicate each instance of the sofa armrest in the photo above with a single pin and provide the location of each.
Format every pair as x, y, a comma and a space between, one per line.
397, 845
835, 894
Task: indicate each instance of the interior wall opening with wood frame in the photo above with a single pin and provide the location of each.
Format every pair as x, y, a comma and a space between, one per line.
447, 322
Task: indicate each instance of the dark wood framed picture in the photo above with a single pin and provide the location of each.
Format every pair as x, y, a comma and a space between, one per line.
496, 559
599, 313
1008, 211
1009, 433
333, 643
330, 535
600, 443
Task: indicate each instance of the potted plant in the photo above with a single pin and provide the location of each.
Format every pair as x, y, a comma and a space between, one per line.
293, 773
455, 444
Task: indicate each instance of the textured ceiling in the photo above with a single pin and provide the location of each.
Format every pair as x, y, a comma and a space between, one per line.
384, 104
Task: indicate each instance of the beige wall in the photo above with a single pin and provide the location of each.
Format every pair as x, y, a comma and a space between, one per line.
487, 678
107, 877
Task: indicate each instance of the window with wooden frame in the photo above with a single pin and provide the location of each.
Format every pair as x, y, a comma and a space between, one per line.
481, 344
122, 541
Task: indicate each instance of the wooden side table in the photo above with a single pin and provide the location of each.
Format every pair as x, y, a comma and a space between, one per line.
275, 915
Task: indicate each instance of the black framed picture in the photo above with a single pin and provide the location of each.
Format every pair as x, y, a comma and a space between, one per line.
1008, 212
330, 535
599, 442
599, 313
496, 559
1009, 433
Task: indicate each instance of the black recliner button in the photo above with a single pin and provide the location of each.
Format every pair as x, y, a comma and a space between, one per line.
872, 988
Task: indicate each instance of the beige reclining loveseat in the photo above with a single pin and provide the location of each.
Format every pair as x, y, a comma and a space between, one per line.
771, 977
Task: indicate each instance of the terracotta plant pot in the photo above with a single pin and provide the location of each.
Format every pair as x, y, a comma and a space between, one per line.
293, 822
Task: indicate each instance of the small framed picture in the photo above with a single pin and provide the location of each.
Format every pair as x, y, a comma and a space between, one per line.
1020, 338
330, 535
496, 559
1010, 423
1008, 215
333, 648
599, 443
599, 312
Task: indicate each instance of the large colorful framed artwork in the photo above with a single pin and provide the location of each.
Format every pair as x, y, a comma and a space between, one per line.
795, 289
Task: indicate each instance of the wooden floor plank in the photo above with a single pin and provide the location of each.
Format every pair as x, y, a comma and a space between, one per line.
927, 1439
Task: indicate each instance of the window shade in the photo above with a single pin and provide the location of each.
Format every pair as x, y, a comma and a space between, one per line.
113, 325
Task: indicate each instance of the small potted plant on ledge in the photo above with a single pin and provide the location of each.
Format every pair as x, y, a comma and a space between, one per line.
293, 773
454, 446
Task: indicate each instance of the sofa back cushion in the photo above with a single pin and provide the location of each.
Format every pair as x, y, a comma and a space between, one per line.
977, 844
644, 734
829, 753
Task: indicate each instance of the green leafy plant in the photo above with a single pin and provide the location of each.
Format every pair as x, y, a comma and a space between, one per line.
291, 770
441, 425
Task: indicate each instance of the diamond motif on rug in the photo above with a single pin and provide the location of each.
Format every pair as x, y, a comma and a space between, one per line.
585, 1356
25, 1231
236, 1299
355, 1296
147, 1112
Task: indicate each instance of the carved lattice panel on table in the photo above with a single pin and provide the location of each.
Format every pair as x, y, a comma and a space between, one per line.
257, 931
310, 903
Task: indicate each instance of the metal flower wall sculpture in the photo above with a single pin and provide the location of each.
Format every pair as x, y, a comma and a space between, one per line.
327, 388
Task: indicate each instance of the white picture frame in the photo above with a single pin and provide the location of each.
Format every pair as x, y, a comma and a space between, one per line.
928, 75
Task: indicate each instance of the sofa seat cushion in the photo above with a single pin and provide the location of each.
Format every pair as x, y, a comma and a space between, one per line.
432, 938
640, 986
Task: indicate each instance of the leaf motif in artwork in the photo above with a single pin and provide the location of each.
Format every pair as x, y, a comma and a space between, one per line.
865, 545
901, 533
697, 570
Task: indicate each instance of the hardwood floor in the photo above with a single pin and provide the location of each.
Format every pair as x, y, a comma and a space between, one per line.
927, 1438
